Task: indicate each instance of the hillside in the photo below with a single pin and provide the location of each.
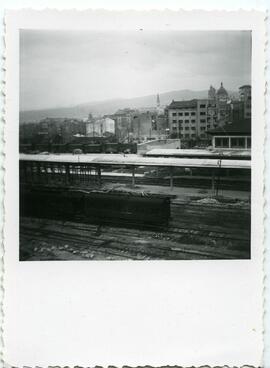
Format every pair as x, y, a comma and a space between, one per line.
110, 106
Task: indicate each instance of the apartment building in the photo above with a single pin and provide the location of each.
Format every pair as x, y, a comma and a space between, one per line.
191, 119
245, 97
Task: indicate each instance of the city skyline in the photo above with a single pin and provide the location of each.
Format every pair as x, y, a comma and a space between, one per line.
68, 68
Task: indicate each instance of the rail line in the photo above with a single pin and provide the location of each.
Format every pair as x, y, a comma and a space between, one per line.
177, 242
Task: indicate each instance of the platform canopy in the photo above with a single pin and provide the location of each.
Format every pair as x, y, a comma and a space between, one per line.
136, 160
215, 153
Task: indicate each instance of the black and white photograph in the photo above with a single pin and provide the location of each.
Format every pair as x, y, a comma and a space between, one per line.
134, 136
135, 145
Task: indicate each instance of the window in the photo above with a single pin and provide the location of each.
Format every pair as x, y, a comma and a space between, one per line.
202, 128
174, 121
181, 135
180, 114
193, 135
222, 142
208, 126
193, 121
218, 142
186, 128
192, 128
187, 135
248, 142
181, 128
193, 113
202, 106
180, 121
202, 113
174, 128
238, 142
202, 121
174, 114
186, 121
186, 113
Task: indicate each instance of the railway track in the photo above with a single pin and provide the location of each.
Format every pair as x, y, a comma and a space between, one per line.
187, 239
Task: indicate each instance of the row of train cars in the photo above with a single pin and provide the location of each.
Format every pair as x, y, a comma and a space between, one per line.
76, 147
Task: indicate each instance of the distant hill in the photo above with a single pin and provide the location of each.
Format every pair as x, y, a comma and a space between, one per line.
110, 106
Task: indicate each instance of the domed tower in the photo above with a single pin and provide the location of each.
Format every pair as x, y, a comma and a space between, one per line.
222, 94
211, 93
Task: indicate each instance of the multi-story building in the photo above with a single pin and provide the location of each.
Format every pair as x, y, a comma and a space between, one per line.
236, 135
245, 97
100, 127
182, 118
123, 119
139, 125
237, 110
193, 118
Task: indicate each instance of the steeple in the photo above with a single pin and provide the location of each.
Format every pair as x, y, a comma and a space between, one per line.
158, 101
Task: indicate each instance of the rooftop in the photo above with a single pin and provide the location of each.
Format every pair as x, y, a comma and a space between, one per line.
182, 104
135, 160
222, 90
238, 127
245, 86
199, 153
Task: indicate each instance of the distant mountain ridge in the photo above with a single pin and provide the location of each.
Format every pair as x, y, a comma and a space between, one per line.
111, 106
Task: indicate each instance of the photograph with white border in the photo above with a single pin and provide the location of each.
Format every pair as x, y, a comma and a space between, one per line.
134, 136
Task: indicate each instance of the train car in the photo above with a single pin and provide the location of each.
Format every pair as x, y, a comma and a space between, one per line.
92, 148
110, 148
59, 148
25, 148
99, 207
74, 146
127, 147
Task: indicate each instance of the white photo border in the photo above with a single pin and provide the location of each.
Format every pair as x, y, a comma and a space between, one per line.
133, 313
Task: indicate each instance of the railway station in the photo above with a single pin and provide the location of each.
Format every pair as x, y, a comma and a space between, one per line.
173, 205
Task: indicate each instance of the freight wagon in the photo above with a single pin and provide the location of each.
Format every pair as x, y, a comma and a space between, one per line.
99, 207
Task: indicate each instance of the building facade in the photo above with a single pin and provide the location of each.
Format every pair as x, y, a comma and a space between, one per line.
100, 127
245, 97
193, 118
236, 135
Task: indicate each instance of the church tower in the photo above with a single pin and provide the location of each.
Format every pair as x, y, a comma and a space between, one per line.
158, 101
211, 93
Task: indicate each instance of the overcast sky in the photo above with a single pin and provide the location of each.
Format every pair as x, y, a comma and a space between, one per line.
65, 68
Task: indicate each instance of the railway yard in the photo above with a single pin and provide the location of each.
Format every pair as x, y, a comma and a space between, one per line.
199, 228
107, 215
